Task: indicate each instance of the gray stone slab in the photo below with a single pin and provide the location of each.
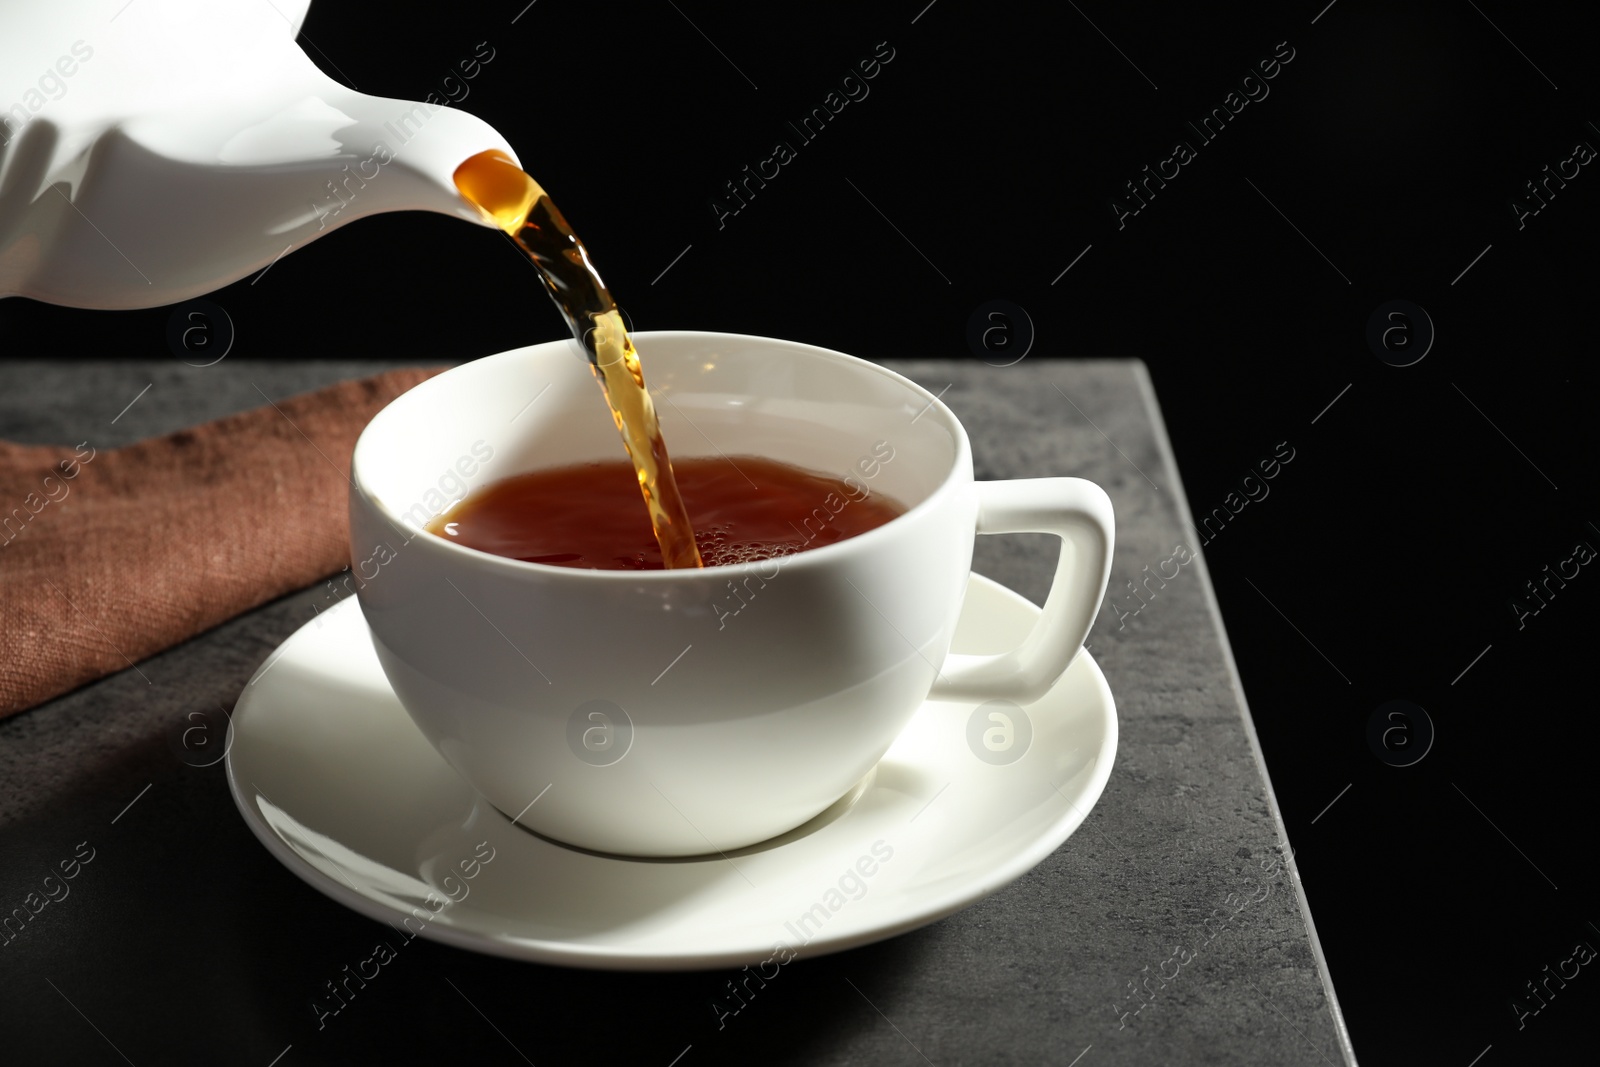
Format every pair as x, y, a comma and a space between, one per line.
1144, 939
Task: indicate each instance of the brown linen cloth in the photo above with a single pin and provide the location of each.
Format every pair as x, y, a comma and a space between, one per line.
110, 556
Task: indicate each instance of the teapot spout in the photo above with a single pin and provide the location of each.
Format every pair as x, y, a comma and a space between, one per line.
393, 155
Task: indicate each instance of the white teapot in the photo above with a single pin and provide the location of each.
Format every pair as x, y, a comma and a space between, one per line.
154, 150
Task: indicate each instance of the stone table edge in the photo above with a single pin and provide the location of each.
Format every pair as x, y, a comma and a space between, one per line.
1164, 447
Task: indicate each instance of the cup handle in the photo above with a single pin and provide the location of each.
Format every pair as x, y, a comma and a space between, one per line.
1079, 512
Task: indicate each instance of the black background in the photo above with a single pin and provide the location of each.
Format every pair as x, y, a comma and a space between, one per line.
1382, 166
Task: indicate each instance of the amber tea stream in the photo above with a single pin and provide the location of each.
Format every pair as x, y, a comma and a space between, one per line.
521, 208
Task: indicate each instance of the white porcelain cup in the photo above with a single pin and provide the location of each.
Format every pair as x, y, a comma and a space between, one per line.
684, 712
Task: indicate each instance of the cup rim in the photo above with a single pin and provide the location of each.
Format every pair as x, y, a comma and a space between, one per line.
807, 557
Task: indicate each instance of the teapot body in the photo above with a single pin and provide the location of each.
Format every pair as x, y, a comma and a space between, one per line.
179, 145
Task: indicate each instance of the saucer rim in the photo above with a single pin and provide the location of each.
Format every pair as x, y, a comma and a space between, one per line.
612, 958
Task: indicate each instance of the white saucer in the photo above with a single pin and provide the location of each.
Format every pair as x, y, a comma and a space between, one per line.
332, 776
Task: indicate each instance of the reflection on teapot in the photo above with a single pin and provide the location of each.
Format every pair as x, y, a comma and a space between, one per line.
160, 150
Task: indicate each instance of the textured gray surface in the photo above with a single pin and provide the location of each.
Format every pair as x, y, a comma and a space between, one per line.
1045, 970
